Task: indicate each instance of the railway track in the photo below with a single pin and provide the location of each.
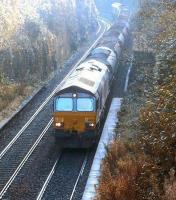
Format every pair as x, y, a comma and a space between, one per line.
13, 166
49, 185
18, 151
4, 151
65, 171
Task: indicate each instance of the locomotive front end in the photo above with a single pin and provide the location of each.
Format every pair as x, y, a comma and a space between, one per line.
74, 113
79, 104
75, 118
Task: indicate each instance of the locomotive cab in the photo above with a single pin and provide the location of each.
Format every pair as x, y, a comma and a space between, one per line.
79, 104
75, 112
75, 118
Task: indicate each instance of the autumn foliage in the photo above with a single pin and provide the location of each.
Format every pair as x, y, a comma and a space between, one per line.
120, 173
158, 125
142, 165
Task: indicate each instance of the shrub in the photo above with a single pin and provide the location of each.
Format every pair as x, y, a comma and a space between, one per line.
120, 172
170, 186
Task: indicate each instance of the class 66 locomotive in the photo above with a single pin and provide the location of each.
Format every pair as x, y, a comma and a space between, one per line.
80, 101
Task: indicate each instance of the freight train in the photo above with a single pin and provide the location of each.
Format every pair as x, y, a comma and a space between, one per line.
80, 101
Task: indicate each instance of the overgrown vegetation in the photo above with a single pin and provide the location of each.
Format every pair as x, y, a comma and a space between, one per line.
36, 37
147, 148
11, 95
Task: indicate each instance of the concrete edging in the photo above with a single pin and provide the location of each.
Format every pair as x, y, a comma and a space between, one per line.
107, 136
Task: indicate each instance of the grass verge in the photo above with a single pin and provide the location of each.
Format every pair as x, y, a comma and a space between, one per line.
11, 97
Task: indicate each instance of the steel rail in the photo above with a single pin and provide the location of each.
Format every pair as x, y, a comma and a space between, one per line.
52, 172
25, 159
45, 185
20, 166
80, 174
49, 97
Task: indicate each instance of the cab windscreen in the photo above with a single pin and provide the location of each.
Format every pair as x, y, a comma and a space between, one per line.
77, 104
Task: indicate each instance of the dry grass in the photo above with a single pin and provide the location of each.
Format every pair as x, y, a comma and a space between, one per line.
128, 174
120, 172
7, 94
11, 97
170, 186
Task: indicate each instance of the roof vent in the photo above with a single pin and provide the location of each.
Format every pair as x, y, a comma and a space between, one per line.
87, 81
95, 67
79, 68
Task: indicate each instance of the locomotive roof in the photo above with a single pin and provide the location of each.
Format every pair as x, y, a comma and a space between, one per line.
87, 76
104, 55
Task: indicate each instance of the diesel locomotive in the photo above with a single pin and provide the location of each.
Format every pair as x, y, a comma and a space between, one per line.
80, 101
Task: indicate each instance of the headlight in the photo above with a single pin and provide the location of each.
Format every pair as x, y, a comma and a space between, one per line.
59, 124
90, 125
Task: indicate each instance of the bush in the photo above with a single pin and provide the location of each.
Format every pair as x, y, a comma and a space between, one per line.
170, 186
120, 172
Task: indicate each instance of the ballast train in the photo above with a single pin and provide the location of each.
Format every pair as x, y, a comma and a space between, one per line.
80, 101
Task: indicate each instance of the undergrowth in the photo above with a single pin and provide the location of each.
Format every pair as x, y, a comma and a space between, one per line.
141, 164
7, 94
11, 96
